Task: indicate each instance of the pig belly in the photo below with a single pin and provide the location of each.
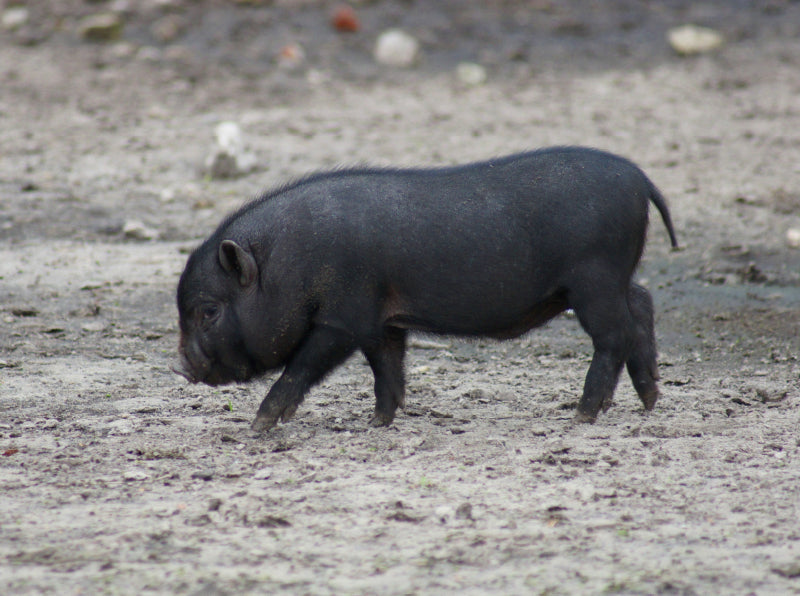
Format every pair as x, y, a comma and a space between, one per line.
475, 309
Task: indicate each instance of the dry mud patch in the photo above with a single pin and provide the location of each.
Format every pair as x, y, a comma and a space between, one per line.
117, 477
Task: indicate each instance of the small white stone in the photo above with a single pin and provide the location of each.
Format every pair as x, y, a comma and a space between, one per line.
443, 513
229, 136
101, 27
263, 474
93, 326
471, 73
793, 237
14, 17
134, 475
138, 231
396, 48
229, 159
688, 40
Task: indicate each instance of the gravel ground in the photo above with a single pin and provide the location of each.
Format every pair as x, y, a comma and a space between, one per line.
118, 477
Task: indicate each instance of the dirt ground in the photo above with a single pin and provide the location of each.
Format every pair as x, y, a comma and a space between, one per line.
119, 477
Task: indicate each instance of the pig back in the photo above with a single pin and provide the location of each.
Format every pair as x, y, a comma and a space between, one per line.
450, 247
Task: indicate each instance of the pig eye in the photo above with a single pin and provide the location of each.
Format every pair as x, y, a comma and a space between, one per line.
209, 312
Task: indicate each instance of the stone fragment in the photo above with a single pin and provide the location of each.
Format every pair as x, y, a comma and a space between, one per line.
14, 17
471, 73
136, 230
396, 48
689, 40
345, 20
101, 27
229, 158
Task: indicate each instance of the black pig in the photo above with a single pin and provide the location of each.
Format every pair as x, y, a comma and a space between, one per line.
355, 259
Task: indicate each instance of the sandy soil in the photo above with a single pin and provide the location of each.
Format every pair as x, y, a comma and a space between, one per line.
118, 477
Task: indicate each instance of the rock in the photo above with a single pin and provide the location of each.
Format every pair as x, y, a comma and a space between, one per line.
471, 73
464, 511
396, 48
263, 474
136, 230
205, 475
345, 20
272, 521
101, 27
14, 17
793, 237
229, 159
688, 40
94, 326
291, 56
134, 475
443, 513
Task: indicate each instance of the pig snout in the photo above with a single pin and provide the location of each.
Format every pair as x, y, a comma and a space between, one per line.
180, 369
192, 365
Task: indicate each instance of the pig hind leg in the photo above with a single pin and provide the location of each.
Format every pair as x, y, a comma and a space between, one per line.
641, 364
321, 351
604, 314
386, 360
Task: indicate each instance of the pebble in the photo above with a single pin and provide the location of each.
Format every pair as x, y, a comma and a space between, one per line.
793, 237
134, 475
345, 20
138, 231
688, 40
229, 158
471, 73
464, 511
263, 474
101, 27
443, 513
291, 56
205, 475
14, 17
396, 48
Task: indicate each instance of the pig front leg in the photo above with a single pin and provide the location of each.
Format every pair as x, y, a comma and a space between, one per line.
386, 360
321, 351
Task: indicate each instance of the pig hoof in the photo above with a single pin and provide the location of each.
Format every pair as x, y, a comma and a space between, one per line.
378, 420
263, 423
649, 399
583, 417
288, 413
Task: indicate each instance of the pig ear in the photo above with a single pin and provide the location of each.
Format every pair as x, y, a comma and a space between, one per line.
235, 259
